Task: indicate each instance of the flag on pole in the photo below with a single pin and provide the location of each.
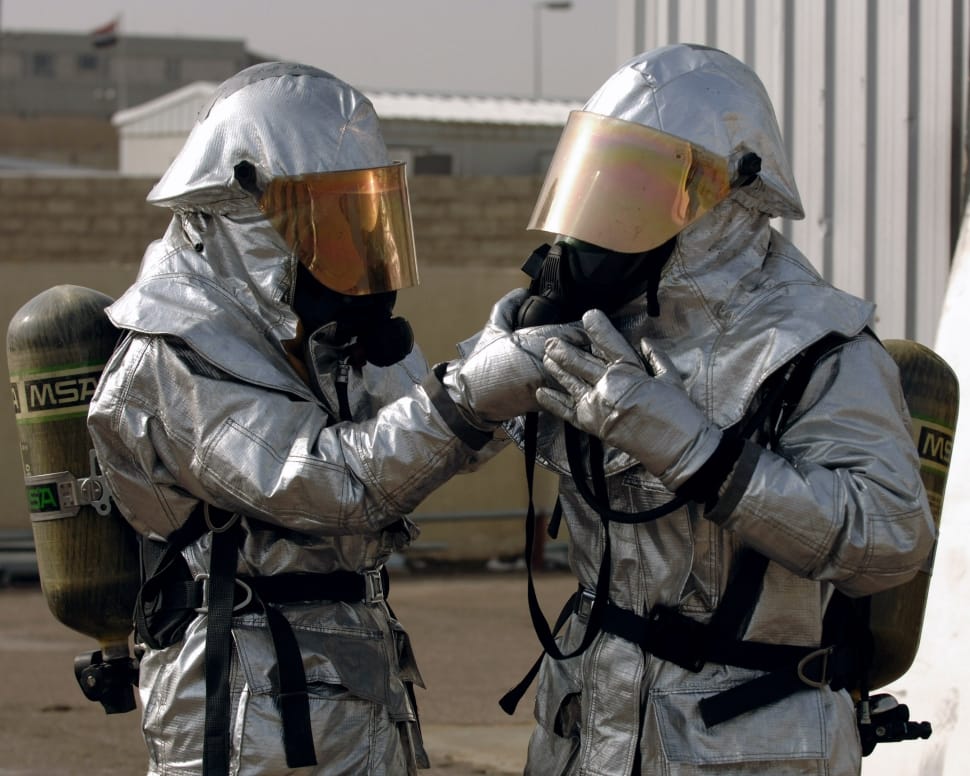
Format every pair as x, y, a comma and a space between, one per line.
105, 35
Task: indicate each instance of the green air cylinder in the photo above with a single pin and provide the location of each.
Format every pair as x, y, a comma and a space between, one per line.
932, 394
87, 554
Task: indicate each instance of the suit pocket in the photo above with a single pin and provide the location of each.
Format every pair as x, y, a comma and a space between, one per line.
787, 737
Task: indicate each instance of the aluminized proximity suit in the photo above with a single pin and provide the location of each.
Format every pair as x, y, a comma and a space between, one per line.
835, 503
209, 399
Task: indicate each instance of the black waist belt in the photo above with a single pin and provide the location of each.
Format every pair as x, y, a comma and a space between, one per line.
348, 586
296, 588
672, 636
289, 588
169, 599
221, 603
223, 595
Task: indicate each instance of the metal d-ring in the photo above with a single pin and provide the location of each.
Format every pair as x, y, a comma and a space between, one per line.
823, 653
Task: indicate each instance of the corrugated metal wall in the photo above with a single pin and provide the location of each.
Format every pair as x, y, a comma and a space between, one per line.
871, 98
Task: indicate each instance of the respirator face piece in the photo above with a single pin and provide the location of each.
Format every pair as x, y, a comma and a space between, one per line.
592, 265
366, 324
572, 276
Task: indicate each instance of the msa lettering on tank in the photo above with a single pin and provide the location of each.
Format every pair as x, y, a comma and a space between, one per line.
934, 444
54, 394
44, 498
55, 495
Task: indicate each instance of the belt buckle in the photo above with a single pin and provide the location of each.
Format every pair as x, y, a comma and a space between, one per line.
822, 653
584, 604
373, 586
204, 607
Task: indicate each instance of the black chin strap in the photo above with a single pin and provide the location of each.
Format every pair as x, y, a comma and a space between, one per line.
596, 498
654, 270
545, 634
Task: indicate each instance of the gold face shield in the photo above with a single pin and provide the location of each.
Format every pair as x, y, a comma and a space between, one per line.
626, 187
350, 228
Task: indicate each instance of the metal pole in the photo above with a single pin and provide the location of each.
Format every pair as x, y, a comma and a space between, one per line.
121, 77
537, 9
2, 84
639, 26
537, 50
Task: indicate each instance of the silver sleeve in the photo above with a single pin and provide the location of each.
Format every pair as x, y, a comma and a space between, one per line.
841, 499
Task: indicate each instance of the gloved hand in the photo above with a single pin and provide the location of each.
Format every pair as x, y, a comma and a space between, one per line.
498, 379
644, 411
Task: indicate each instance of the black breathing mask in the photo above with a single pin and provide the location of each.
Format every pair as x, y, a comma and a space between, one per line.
571, 277
365, 325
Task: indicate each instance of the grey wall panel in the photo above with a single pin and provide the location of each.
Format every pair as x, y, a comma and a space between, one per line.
871, 97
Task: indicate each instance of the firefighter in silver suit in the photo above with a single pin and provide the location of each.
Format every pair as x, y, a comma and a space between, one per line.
267, 425
660, 194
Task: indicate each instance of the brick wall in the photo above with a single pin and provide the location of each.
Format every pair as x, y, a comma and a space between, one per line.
471, 241
84, 141
473, 221
102, 220
457, 221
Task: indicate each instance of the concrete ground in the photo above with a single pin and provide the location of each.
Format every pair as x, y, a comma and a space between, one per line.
471, 633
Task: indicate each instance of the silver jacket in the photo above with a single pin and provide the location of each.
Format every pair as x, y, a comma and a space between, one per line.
201, 402
836, 504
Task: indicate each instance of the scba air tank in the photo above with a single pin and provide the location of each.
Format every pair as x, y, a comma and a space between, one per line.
87, 555
932, 395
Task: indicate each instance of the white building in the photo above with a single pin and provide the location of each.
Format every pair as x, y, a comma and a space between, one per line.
433, 134
872, 101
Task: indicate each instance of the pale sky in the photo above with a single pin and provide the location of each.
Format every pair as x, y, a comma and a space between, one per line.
475, 47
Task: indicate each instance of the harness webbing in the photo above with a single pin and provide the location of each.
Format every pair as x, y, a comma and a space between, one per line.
159, 594
218, 646
664, 632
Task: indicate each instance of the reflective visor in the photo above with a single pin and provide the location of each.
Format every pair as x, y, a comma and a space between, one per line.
351, 228
626, 187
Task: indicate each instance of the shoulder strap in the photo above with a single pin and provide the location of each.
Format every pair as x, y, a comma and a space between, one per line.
545, 634
784, 390
167, 589
747, 574
801, 369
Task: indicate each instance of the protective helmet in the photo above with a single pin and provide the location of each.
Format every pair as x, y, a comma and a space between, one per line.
669, 135
307, 149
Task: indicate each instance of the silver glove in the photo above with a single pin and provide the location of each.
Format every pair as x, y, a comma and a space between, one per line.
498, 379
641, 409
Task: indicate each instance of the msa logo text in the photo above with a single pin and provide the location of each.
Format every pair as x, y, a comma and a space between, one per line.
935, 445
53, 393
43, 498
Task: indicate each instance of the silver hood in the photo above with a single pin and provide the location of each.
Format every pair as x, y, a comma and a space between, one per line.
709, 98
737, 300
284, 119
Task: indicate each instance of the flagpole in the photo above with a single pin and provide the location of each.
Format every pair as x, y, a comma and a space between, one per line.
113, 65
122, 76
